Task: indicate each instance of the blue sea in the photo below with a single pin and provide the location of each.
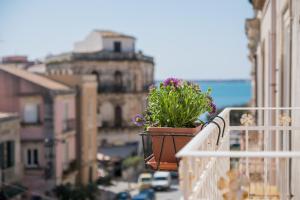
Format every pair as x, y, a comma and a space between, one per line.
228, 92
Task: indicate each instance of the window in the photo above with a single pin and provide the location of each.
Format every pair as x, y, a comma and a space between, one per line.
90, 113
65, 116
7, 154
31, 113
35, 157
10, 153
117, 47
98, 77
32, 157
118, 116
90, 174
66, 155
2, 162
118, 81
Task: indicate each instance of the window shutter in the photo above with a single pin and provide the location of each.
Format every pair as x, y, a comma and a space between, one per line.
11, 154
35, 157
2, 156
29, 157
8, 154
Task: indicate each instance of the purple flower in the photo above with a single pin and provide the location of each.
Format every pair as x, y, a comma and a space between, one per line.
152, 87
210, 98
213, 108
172, 82
196, 87
139, 120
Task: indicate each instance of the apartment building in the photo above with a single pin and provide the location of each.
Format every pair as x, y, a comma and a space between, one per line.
86, 120
47, 133
274, 51
123, 77
11, 168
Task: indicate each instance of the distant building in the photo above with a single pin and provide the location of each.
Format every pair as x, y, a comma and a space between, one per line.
274, 51
123, 77
38, 68
17, 61
11, 170
86, 103
47, 114
22, 62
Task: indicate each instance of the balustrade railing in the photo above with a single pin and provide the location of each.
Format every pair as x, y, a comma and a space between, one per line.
263, 167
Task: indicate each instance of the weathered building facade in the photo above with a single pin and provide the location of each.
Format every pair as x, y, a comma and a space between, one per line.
274, 44
86, 123
46, 110
11, 170
123, 77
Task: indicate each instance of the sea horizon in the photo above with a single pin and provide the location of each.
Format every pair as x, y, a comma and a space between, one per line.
226, 93
211, 80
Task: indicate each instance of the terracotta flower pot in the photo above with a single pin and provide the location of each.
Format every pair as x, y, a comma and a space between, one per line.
166, 152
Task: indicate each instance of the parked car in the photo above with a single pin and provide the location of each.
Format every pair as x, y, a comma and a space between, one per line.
149, 192
161, 180
144, 181
141, 196
123, 196
174, 175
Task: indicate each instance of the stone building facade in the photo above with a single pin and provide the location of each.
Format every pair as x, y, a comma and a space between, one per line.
48, 136
86, 123
274, 52
123, 77
11, 171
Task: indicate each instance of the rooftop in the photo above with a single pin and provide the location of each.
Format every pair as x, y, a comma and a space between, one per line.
34, 78
108, 33
99, 56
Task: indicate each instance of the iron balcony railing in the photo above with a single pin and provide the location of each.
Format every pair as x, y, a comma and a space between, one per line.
69, 125
260, 163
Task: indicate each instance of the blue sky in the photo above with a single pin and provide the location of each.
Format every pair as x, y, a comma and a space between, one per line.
194, 39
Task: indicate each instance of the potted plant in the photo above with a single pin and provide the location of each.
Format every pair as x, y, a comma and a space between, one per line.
172, 116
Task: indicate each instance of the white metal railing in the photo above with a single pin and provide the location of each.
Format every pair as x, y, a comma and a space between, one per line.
268, 152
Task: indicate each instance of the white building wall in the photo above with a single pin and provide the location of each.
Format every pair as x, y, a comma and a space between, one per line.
92, 43
96, 42
127, 44
295, 61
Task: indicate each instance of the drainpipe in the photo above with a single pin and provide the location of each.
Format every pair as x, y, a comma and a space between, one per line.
272, 81
290, 57
273, 58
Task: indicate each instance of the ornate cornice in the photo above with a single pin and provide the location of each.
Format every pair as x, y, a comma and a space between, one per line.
252, 29
258, 4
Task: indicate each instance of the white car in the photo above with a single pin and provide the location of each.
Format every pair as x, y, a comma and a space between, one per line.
144, 181
161, 180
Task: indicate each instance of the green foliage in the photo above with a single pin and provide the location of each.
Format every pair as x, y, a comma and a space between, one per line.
69, 192
131, 161
106, 180
177, 105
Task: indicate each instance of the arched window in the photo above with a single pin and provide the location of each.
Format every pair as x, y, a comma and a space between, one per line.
118, 116
134, 82
118, 81
97, 74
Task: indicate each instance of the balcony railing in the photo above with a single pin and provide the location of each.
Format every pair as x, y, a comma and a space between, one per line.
69, 167
260, 168
69, 125
127, 88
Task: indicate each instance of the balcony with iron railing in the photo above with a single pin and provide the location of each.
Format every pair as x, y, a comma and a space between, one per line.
213, 167
126, 88
69, 167
69, 125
